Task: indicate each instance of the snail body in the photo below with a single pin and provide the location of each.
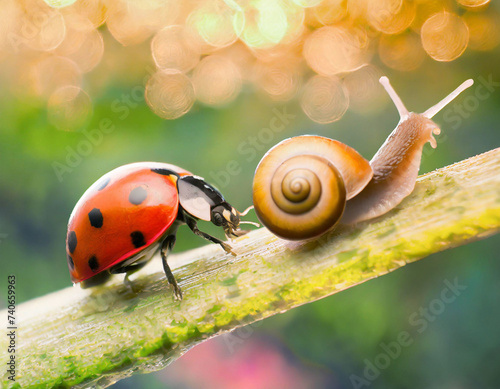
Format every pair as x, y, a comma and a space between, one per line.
304, 186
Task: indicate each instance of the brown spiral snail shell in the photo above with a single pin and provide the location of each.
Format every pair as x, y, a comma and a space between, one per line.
305, 185
294, 187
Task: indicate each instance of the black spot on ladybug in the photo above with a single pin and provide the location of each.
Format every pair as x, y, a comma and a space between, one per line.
137, 239
104, 183
72, 241
95, 217
164, 172
93, 263
71, 264
137, 195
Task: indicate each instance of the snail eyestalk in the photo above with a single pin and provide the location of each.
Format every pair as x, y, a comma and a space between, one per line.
403, 112
443, 103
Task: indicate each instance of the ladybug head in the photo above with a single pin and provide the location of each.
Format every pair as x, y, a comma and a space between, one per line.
202, 201
227, 217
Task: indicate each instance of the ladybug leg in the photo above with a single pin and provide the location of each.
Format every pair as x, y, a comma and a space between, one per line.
194, 227
129, 270
166, 248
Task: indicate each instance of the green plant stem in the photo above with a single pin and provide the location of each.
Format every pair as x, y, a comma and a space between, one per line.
77, 337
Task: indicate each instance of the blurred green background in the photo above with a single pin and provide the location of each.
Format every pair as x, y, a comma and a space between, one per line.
318, 345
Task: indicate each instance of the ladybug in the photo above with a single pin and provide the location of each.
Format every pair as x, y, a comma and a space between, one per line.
132, 212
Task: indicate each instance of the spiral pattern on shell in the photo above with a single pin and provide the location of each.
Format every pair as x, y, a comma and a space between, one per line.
295, 188
300, 187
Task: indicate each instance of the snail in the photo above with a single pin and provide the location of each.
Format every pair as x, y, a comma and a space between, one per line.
304, 186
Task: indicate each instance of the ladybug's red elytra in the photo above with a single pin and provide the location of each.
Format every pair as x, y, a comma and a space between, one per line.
133, 212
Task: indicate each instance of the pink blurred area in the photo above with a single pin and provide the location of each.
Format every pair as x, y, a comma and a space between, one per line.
256, 363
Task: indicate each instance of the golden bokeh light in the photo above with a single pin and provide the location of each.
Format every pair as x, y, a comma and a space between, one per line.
90, 52
265, 24
324, 99
307, 3
93, 10
125, 26
215, 48
336, 49
53, 72
473, 3
391, 16
132, 22
379, 12
330, 11
426, 8
77, 29
43, 29
59, 3
366, 95
172, 49
484, 30
69, 108
295, 28
11, 17
357, 10
216, 80
216, 24
244, 59
170, 94
278, 80
402, 52
445, 36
